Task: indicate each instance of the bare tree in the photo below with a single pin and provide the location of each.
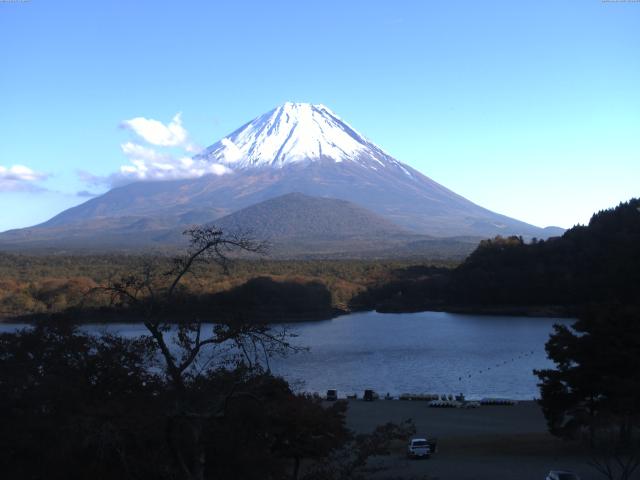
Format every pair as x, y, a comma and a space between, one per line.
613, 457
153, 292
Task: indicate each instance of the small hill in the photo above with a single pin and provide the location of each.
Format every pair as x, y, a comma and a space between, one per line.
295, 215
296, 226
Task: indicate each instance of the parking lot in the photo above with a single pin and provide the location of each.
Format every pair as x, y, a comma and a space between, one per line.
490, 442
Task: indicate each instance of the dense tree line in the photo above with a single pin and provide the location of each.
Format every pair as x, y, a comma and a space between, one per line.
596, 263
50, 284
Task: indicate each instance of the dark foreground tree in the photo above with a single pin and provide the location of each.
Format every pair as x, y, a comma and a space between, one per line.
188, 401
77, 406
593, 395
195, 353
350, 461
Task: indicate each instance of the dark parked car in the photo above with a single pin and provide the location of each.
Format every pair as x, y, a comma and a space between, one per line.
332, 395
370, 395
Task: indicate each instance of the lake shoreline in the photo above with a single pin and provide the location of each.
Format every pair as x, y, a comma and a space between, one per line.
100, 317
553, 311
104, 317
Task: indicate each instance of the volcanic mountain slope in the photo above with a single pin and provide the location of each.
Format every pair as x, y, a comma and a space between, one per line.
294, 226
295, 215
299, 226
296, 147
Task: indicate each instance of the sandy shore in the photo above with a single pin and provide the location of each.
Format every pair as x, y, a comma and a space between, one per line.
490, 442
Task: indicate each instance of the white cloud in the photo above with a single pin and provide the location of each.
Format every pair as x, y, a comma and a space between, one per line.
157, 133
19, 178
165, 155
192, 148
149, 164
134, 151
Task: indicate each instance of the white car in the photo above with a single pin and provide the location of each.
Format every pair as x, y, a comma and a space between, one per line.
561, 475
418, 448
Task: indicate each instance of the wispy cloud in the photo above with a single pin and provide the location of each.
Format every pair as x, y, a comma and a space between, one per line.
157, 133
86, 194
19, 178
149, 164
91, 179
158, 151
167, 155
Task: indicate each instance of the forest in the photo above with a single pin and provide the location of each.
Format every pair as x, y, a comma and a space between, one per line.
37, 286
596, 263
592, 264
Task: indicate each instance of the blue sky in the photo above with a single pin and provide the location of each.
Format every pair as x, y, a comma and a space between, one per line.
531, 109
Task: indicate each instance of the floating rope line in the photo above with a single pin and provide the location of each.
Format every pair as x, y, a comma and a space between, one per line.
498, 365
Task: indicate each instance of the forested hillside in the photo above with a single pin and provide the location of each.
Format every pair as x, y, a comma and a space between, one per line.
596, 263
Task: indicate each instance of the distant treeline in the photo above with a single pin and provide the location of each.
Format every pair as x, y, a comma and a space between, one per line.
597, 263
40, 285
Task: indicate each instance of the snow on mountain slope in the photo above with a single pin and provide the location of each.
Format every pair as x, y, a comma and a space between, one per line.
297, 147
296, 132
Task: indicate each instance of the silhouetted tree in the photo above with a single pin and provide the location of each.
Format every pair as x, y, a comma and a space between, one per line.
349, 462
151, 294
594, 392
77, 406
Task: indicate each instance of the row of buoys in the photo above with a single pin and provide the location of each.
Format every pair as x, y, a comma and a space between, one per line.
521, 356
453, 404
433, 400
497, 401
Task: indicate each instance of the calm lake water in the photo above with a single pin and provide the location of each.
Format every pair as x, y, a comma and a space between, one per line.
426, 352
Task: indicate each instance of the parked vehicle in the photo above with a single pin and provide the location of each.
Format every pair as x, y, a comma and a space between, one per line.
370, 395
332, 395
418, 448
561, 475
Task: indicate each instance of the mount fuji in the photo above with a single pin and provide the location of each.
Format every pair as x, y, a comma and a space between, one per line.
296, 133
294, 148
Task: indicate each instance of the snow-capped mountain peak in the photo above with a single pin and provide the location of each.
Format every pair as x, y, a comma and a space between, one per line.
292, 133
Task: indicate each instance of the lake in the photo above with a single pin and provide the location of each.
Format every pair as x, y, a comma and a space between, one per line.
425, 352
